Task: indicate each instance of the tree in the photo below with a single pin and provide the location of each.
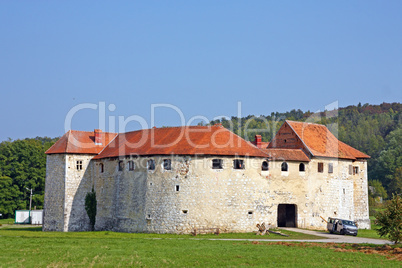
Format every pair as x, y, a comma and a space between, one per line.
378, 190
390, 160
9, 197
390, 220
90, 207
22, 166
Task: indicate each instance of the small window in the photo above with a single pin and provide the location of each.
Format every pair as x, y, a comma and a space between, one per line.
355, 170
217, 163
121, 165
250, 212
79, 165
302, 167
330, 168
151, 164
167, 164
185, 211
238, 164
265, 166
350, 170
284, 166
320, 167
177, 188
131, 165
101, 167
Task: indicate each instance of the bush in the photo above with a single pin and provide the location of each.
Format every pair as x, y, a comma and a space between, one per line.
90, 207
390, 220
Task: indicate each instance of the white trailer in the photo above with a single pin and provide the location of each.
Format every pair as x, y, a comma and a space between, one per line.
29, 217
22, 216
36, 216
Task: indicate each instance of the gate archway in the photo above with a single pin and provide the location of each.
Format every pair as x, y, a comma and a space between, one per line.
287, 215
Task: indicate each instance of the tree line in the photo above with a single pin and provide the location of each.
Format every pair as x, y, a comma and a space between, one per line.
22, 167
373, 129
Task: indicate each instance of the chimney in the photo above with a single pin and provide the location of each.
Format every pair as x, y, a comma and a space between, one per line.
98, 136
257, 141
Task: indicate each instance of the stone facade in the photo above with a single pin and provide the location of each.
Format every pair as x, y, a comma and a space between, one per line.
296, 186
193, 195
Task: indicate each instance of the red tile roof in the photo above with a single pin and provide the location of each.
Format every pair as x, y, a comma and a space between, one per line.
80, 142
286, 154
321, 142
189, 140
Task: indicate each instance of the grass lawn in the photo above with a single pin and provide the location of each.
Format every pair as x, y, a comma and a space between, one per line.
7, 221
372, 233
30, 247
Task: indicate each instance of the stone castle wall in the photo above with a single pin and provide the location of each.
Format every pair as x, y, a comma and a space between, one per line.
65, 191
54, 193
78, 183
193, 195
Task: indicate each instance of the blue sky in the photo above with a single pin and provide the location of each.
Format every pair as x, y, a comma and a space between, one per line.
202, 57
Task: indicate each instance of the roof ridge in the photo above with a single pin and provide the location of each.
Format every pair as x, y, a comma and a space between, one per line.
104, 147
152, 128
91, 131
68, 140
54, 144
304, 122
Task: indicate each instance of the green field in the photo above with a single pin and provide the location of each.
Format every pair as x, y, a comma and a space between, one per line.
30, 247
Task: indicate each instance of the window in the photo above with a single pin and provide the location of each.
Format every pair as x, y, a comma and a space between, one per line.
217, 164
355, 170
151, 164
238, 164
101, 168
350, 169
131, 165
167, 164
321, 167
177, 188
265, 166
330, 168
284, 166
302, 168
79, 165
121, 165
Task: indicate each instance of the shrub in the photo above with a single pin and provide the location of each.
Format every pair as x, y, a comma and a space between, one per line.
90, 207
390, 220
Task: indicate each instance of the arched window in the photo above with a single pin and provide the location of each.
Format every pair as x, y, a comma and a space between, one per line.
167, 164
264, 166
151, 164
121, 165
101, 168
131, 165
284, 166
302, 167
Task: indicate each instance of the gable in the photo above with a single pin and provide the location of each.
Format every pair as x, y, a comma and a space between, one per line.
314, 139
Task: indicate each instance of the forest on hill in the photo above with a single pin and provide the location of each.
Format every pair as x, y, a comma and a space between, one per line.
373, 129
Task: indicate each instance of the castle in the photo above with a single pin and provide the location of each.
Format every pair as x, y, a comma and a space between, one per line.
175, 179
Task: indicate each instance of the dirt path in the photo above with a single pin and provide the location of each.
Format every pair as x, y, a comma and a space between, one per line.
326, 238
341, 238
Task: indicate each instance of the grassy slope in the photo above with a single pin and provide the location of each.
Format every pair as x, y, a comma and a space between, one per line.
30, 247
